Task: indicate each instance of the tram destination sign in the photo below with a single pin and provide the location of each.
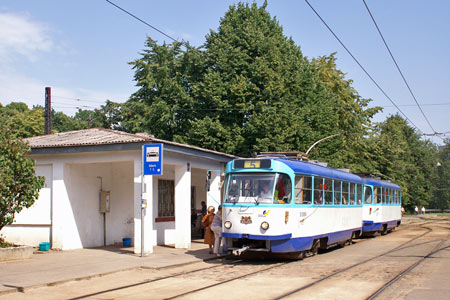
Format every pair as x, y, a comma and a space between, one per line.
152, 159
252, 164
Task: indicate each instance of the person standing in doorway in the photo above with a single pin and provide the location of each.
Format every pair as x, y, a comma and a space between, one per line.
216, 227
203, 212
209, 234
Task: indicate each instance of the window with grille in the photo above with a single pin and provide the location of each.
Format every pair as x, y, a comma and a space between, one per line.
166, 198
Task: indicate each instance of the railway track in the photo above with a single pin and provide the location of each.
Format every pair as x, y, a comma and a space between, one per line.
235, 270
435, 250
392, 281
184, 273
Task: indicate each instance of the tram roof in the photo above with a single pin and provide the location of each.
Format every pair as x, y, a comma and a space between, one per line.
315, 169
379, 182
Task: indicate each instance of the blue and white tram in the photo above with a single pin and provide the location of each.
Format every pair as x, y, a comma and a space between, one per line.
381, 207
282, 205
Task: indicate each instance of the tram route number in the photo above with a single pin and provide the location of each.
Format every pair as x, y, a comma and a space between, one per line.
252, 164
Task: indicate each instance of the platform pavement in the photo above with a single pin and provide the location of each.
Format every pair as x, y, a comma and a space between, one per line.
54, 267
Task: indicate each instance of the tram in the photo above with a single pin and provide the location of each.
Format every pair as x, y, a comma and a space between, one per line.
381, 207
283, 205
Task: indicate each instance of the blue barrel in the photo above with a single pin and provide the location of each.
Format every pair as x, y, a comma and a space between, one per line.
126, 242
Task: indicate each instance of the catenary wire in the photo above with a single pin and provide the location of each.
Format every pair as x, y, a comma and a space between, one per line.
78, 99
359, 64
153, 27
397, 66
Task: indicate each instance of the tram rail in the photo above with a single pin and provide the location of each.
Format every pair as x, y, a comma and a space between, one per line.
273, 266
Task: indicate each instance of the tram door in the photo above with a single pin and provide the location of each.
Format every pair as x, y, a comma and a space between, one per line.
368, 202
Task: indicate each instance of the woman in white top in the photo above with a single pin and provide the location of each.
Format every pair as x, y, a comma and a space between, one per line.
216, 227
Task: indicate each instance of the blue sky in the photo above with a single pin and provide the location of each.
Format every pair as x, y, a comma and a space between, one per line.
82, 48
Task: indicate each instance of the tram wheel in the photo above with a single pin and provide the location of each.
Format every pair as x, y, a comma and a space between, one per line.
315, 247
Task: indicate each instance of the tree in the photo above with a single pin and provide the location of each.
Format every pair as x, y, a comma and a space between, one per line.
410, 162
441, 189
19, 187
248, 88
22, 121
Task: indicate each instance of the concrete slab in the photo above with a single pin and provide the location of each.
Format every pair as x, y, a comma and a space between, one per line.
55, 267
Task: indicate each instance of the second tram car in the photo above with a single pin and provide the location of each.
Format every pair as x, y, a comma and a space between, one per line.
381, 207
281, 205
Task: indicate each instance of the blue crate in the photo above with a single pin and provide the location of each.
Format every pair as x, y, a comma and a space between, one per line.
44, 246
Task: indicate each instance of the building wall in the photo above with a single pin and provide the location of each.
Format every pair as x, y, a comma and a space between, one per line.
86, 181
33, 225
67, 211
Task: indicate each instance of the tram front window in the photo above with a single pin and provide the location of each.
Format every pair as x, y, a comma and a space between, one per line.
253, 188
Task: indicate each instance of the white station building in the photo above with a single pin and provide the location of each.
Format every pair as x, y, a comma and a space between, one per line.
94, 192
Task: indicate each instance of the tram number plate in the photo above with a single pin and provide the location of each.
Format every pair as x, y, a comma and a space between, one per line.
303, 214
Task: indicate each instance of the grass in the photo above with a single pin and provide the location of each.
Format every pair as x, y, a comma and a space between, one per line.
5, 244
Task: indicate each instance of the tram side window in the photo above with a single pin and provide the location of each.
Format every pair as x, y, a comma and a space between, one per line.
307, 190
303, 186
352, 193
318, 190
337, 192
358, 194
378, 195
368, 195
344, 193
283, 190
328, 187
391, 196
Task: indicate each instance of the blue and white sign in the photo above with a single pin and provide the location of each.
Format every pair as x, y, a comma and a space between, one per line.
153, 159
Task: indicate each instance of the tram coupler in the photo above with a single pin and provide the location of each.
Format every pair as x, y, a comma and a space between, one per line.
238, 252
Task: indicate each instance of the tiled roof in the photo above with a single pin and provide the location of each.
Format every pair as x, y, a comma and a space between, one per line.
86, 137
101, 136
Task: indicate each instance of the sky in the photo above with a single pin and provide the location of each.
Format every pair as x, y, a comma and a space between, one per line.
82, 49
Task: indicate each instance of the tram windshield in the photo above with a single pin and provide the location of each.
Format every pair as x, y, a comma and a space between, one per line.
258, 188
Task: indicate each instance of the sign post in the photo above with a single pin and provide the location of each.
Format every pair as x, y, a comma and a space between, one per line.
152, 164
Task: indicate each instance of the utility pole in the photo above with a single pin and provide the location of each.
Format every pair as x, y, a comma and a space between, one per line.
48, 111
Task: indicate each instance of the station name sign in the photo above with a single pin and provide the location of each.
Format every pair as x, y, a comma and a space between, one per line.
152, 155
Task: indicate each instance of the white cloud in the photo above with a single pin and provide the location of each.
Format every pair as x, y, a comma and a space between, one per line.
20, 35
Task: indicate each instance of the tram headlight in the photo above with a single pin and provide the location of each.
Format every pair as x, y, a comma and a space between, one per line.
227, 224
264, 225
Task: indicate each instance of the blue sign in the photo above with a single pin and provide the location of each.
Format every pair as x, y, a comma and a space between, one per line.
153, 159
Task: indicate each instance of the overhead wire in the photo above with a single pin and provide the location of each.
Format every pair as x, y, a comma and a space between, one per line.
397, 66
362, 68
78, 99
139, 19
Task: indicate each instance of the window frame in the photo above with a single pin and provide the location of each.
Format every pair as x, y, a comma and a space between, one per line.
163, 196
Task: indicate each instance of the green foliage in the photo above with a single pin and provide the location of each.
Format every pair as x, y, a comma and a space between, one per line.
19, 187
22, 121
247, 89
401, 155
441, 192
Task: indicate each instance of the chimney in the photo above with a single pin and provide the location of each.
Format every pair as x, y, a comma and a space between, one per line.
48, 111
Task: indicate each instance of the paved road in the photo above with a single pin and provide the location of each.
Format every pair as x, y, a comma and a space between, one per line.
334, 274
